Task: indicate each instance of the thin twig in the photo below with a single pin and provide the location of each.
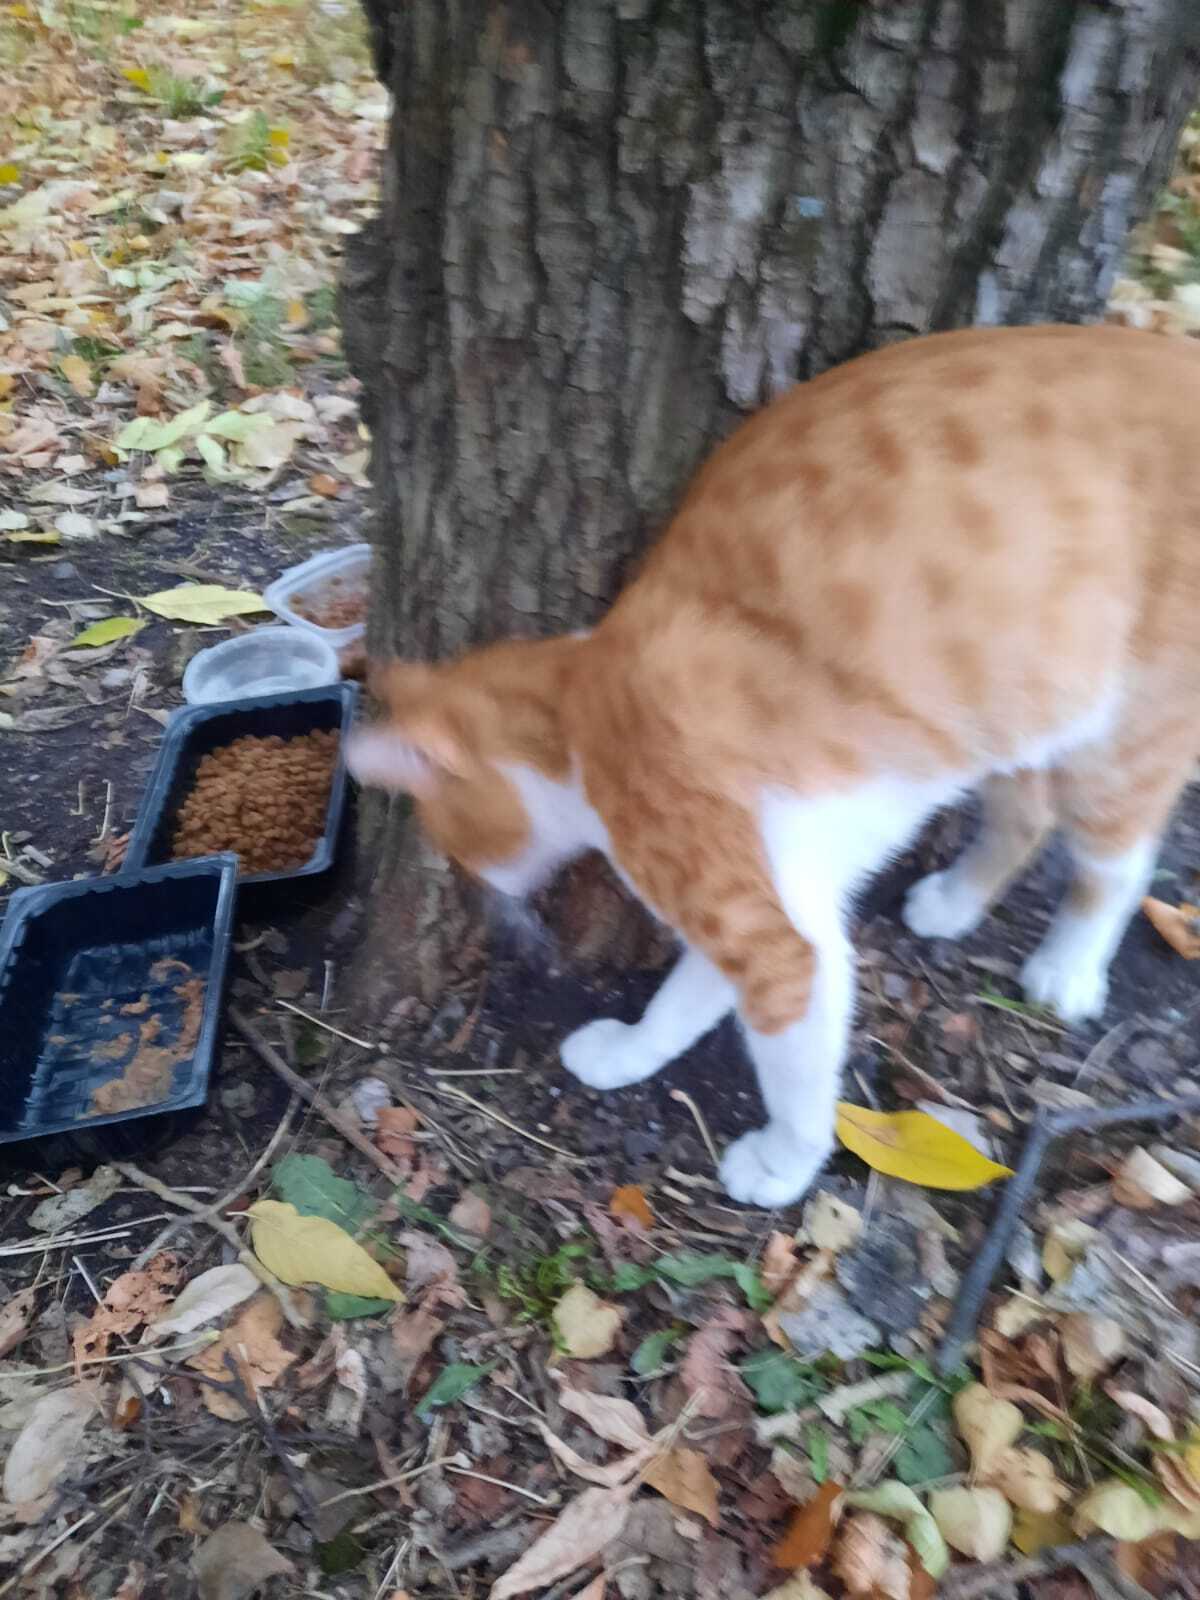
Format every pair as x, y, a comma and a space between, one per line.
685, 1099
386, 1483
461, 1094
328, 1027
227, 1231
515, 1488
193, 1344
207, 1213
332, 1116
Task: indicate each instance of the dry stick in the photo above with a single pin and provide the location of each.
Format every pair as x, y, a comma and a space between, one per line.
227, 1231
461, 1094
685, 1099
295, 1082
319, 1022
981, 1582
207, 1213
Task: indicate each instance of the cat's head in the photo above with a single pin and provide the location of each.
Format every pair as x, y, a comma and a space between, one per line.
479, 745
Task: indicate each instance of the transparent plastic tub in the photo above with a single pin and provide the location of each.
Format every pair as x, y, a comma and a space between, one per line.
267, 661
335, 581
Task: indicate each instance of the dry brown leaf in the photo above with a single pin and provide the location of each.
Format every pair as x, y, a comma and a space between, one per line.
870, 1559
348, 1401
810, 1530
1090, 1344
1027, 1478
988, 1426
1178, 925
707, 1373
630, 1201
975, 1522
684, 1478
778, 1263
795, 1294
15, 1319
132, 1299
1173, 1470
394, 1129
235, 1561
830, 1223
1152, 1563
585, 1527
133, 1584
48, 1443
428, 1261
471, 1214
586, 1325
619, 1421
79, 375
1142, 1182
259, 1357
327, 487
413, 1332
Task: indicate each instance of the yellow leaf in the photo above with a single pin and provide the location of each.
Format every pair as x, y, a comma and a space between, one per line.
105, 632
297, 314
10, 172
1038, 1530
916, 1147
585, 1325
283, 58
315, 1250
280, 137
137, 76
78, 374
7, 384
202, 602
22, 536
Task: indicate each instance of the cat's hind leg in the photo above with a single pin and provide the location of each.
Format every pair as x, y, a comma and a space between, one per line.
692, 999
1016, 818
1113, 800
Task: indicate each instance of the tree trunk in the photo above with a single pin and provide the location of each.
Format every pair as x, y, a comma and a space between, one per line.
610, 228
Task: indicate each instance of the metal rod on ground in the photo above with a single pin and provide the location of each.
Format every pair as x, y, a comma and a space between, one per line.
1047, 1127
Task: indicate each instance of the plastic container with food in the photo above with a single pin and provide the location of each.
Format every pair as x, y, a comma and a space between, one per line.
110, 996
265, 661
326, 595
263, 778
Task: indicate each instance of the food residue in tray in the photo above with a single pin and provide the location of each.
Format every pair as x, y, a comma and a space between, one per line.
337, 603
263, 798
149, 1072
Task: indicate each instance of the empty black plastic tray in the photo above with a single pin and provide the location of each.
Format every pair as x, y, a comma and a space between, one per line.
104, 975
194, 732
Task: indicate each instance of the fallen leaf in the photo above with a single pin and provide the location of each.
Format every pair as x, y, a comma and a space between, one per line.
1090, 1344
202, 602
137, 1296
988, 1426
1141, 1183
1152, 1563
811, 1529
585, 1326
314, 1188
684, 1478
207, 1297
1027, 1479
471, 1214
48, 1444
349, 1399
394, 1129
1037, 1530
79, 375
105, 632
619, 1421
916, 1147
778, 1264
894, 1499
830, 1223
713, 1386
62, 1211
252, 1343
798, 1587
15, 1319
975, 1522
235, 1561
151, 496
584, 1527
321, 483
1178, 925
269, 447
630, 1201
1117, 1509
451, 1384
870, 1559
301, 1249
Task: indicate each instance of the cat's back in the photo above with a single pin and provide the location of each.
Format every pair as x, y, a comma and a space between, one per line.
984, 523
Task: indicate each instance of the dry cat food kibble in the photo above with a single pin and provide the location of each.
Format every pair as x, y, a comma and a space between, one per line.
340, 603
263, 798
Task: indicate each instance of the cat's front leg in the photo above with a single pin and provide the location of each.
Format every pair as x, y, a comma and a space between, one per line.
798, 1060
607, 1054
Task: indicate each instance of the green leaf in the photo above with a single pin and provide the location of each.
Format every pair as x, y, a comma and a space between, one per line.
923, 1456
690, 1271
340, 1554
818, 1451
451, 1384
651, 1354
212, 454
315, 1189
342, 1307
627, 1277
105, 632
892, 1499
202, 603
147, 433
778, 1381
236, 425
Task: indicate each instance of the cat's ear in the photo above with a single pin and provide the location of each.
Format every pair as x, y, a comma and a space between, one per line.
414, 744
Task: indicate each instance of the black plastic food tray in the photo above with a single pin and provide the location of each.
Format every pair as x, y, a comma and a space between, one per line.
92, 975
194, 732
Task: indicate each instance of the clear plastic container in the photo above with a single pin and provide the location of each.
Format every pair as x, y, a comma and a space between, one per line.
334, 581
266, 661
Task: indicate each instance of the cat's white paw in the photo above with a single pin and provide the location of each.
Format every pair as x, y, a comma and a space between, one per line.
942, 906
1076, 989
764, 1169
607, 1054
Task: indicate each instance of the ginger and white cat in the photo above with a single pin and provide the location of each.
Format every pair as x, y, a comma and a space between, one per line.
968, 559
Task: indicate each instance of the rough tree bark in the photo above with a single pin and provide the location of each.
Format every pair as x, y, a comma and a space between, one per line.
609, 228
